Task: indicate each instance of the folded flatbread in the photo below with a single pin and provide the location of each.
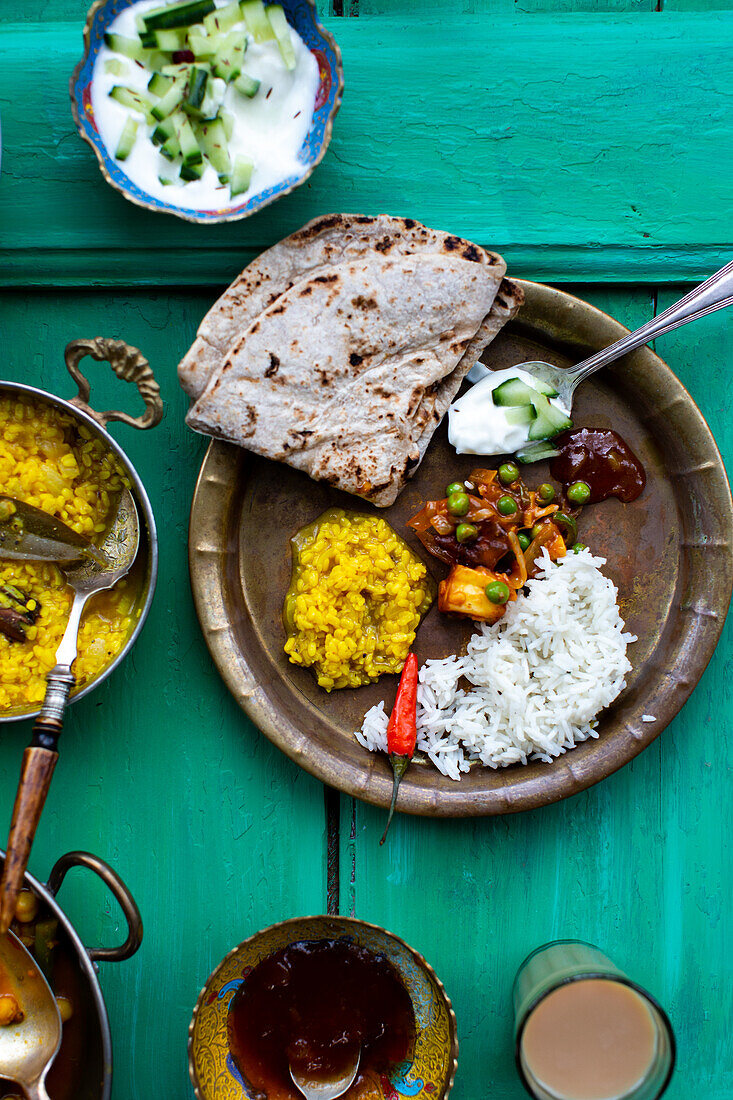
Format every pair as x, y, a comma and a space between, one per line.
321, 244
347, 373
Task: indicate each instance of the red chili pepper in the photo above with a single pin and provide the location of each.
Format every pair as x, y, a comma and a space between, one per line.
402, 729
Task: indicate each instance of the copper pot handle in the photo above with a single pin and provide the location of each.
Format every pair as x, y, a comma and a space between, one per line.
130, 365
121, 893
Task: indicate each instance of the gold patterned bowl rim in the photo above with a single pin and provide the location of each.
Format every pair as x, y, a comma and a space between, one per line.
345, 924
194, 215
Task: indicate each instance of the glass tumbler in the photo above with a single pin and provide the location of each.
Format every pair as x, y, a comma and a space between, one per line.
556, 1060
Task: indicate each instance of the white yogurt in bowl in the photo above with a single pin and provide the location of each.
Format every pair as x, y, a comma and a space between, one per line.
269, 129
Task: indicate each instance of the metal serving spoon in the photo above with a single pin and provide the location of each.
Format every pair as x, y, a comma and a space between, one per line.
28, 1048
715, 293
327, 1088
30, 534
87, 577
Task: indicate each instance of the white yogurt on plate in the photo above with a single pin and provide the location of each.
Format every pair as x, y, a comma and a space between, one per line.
476, 426
269, 129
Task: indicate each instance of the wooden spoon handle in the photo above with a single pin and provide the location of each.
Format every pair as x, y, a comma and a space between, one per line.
35, 779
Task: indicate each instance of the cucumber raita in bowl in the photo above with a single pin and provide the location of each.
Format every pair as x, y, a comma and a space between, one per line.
207, 108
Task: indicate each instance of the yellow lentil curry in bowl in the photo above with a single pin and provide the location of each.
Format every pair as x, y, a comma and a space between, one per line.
55, 457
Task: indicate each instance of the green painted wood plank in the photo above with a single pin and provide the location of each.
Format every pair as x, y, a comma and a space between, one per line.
593, 171
50, 11
638, 864
160, 773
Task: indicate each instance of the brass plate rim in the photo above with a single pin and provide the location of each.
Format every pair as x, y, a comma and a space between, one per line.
370, 780
347, 921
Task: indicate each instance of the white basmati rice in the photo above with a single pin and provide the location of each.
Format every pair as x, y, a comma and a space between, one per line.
538, 679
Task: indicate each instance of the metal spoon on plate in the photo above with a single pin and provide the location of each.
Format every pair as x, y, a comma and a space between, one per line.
28, 1048
715, 293
329, 1088
86, 577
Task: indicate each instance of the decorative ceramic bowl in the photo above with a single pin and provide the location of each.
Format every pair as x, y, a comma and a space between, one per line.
428, 1077
302, 16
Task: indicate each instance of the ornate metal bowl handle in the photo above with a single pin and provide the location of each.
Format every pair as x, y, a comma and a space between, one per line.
117, 887
130, 365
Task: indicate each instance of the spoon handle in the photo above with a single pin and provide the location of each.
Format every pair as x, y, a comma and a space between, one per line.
39, 761
715, 293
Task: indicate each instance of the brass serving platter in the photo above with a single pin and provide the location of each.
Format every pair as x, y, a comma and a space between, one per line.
669, 553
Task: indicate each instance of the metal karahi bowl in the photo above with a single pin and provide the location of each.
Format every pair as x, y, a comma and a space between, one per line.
301, 15
130, 365
82, 1069
429, 1076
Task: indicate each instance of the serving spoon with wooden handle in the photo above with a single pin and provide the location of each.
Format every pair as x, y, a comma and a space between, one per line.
85, 577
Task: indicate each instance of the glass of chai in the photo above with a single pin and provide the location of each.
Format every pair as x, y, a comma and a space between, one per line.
584, 1031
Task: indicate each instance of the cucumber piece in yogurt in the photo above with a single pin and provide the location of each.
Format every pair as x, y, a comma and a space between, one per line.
180, 14
255, 16
241, 175
127, 139
281, 30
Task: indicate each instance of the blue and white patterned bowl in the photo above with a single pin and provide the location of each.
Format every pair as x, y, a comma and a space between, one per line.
302, 16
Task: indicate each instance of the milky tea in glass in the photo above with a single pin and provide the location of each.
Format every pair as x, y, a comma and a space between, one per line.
585, 1032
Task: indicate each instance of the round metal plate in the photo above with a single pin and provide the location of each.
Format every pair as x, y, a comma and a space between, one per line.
669, 553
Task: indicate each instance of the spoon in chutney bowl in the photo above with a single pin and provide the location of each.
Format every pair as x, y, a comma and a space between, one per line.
85, 577
30, 1039
523, 407
327, 1088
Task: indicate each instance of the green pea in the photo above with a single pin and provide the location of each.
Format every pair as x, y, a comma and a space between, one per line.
497, 592
458, 504
466, 532
546, 493
524, 540
506, 506
537, 530
508, 473
578, 546
455, 487
578, 492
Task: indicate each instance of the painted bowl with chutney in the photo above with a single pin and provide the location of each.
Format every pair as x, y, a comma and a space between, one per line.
315, 970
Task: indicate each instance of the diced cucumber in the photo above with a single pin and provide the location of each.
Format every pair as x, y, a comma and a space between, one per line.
170, 100
148, 40
255, 16
241, 175
536, 452
181, 69
223, 19
128, 97
212, 140
215, 92
165, 182
196, 91
228, 61
129, 47
202, 46
192, 171
544, 388
115, 67
520, 415
227, 121
281, 30
159, 84
180, 14
170, 41
187, 139
247, 85
170, 149
549, 420
127, 139
514, 392
164, 131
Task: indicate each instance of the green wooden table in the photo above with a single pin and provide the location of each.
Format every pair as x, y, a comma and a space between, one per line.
589, 141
